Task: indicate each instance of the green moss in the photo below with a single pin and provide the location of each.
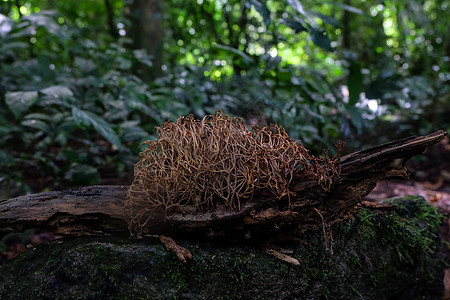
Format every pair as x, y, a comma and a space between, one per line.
407, 238
374, 256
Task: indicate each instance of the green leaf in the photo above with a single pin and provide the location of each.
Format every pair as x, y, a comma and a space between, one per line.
85, 65
133, 133
83, 175
326, 19
57, 91
297, 5
262, 9
85, 119
139, 106
314, 114
6, 25
6, 158
4, 130
81, 118
354, 83
39, 116
355, 117
14, 46
37, 124
19, 102
47, 22
294, 24
142, 57
61, 138
124, 63
320, 38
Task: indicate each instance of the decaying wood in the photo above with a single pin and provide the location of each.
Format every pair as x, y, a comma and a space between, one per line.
283, 257
82, 211
98, 210
182, 253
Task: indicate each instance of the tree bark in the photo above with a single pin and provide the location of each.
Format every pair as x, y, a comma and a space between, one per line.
99, 210
346, 26
92, 210
147, 32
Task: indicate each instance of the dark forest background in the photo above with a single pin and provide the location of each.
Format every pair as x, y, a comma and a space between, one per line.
84, 82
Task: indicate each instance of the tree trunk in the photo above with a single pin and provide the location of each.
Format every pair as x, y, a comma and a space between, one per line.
147, 32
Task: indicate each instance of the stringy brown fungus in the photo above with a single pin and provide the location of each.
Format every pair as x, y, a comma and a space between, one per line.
217, 161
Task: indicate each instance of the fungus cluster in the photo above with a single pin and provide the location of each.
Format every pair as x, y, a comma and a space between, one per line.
217, 161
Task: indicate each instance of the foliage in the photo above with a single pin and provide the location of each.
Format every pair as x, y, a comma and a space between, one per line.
319, 67
61, 99
71, 101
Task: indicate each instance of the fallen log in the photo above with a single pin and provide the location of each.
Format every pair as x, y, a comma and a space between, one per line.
99, 210
374, 256
92, 210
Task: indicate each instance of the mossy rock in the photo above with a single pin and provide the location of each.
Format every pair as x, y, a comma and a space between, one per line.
373, 256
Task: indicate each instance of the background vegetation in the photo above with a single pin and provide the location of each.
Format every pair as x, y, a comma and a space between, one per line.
84, 82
